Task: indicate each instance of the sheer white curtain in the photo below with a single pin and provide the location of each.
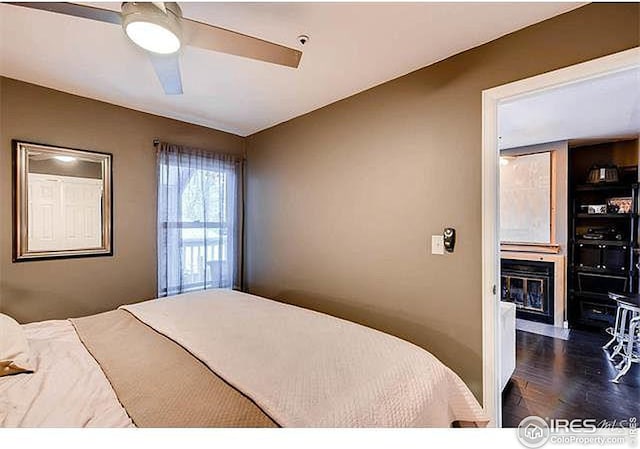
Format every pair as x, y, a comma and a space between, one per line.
199, 219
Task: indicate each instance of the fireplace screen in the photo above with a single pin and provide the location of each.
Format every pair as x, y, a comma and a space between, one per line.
526, 293
529, 285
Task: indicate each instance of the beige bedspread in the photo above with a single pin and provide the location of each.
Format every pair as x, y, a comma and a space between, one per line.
308, 369
158, 382
223, 358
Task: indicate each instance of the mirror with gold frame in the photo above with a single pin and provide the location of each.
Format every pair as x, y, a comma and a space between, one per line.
62, 202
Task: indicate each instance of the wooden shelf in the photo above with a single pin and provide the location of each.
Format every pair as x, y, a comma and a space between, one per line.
602, 298
603, 187
583, 215
603, 271
603, 242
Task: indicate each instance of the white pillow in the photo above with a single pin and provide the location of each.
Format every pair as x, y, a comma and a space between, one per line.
14, 348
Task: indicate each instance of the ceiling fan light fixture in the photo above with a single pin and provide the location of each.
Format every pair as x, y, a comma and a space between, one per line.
152, 27
153, 37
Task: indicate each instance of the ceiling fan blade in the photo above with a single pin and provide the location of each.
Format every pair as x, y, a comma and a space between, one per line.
221, 40
167, 68
73, 9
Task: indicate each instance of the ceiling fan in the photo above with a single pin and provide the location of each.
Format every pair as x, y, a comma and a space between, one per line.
159, 28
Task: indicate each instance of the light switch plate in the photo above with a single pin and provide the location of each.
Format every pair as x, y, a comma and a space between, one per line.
437, 244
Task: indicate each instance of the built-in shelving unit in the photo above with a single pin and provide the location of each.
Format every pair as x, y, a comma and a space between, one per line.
597, 266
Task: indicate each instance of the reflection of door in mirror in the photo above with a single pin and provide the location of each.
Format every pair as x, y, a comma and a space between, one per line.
64, 212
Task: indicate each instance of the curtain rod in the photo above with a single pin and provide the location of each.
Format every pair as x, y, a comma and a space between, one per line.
156, 142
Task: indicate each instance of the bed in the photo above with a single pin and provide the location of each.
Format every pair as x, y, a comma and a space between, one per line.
221, 358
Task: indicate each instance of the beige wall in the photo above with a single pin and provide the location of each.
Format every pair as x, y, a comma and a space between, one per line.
341, 202
40, 290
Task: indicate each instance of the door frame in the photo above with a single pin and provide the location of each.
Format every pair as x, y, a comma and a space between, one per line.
491, 99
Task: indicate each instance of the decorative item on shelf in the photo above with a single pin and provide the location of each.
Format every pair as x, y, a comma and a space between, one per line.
602, 233
603, 174
593, 235
619, 205
594, 209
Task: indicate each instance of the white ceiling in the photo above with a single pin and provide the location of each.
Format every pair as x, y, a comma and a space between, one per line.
353, 46
607, 106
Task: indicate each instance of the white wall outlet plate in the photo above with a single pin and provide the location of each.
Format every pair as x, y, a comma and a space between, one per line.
437, 244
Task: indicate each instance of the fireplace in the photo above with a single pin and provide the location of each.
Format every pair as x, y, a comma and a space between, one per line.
530, 286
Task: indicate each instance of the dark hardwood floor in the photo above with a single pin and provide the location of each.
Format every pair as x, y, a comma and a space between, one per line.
568, 379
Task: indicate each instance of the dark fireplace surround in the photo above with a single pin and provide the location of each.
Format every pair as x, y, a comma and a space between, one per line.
530, 286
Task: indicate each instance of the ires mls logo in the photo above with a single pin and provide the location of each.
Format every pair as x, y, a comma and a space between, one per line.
534, 432
574, 425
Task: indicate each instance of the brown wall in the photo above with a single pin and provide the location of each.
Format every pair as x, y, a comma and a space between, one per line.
41, 290
342, 201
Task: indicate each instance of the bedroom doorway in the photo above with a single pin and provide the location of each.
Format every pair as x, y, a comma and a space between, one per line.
549, 276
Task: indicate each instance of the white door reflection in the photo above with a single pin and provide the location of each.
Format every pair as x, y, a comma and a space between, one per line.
64, 212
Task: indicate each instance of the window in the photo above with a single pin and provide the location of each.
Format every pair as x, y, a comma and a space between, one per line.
198, 226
